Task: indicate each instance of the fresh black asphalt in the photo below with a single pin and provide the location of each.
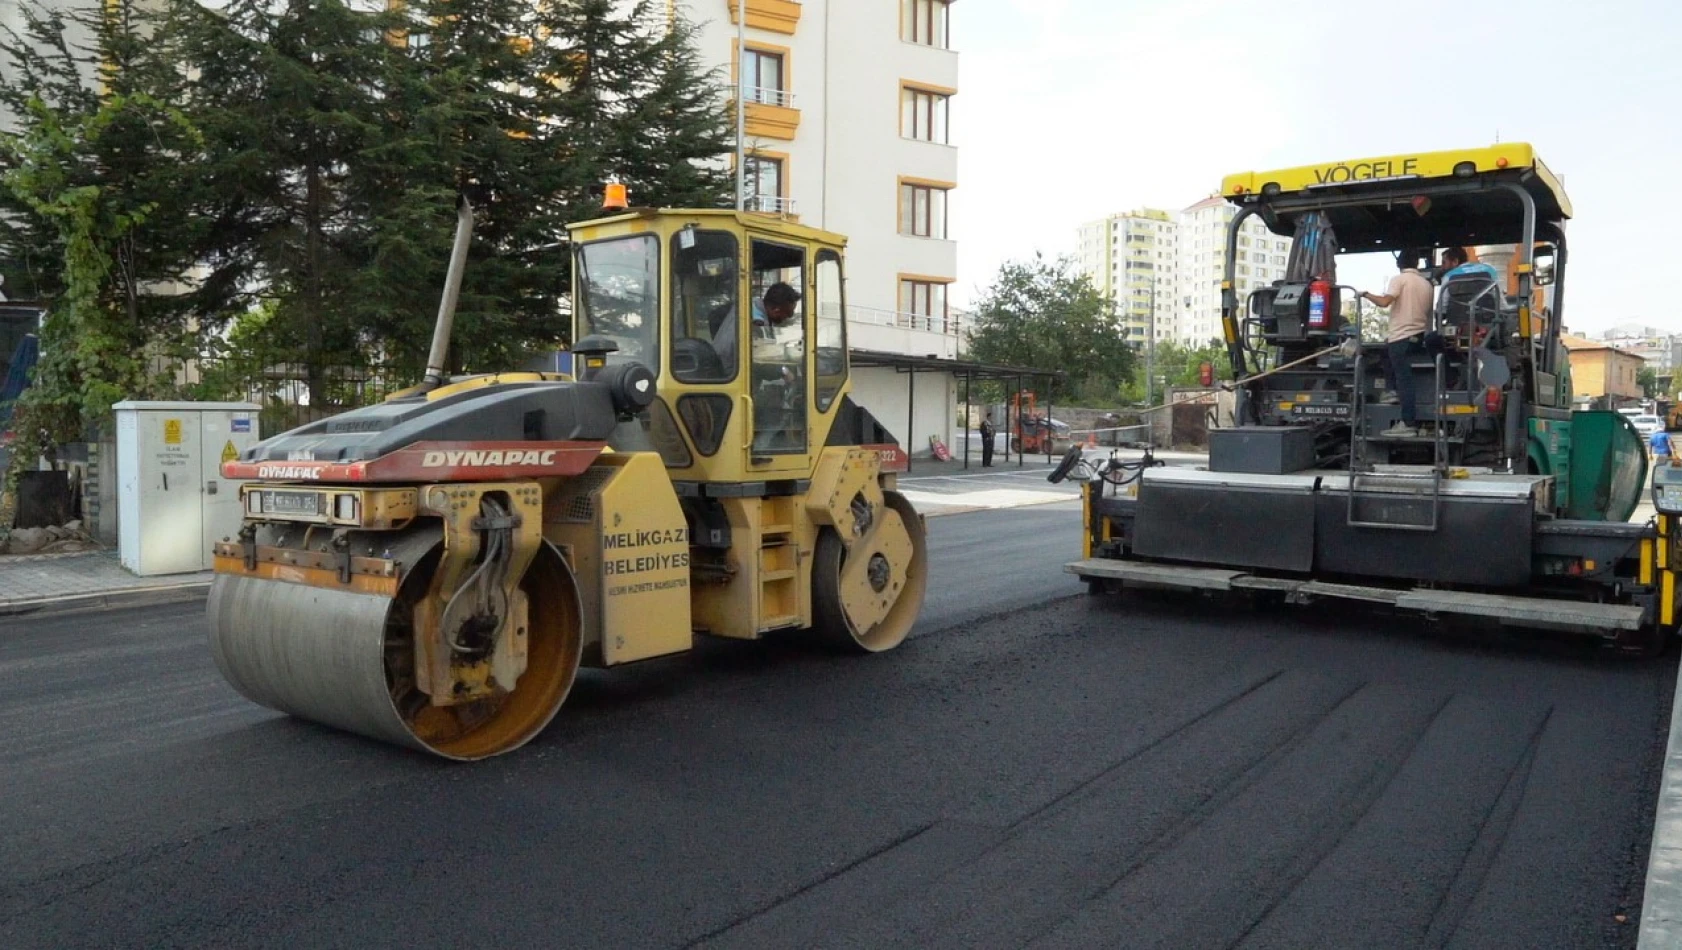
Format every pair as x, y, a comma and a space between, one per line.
1036, 767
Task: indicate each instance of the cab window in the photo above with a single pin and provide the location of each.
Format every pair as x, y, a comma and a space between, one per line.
831, 347
706, 280
776, 282
619, 296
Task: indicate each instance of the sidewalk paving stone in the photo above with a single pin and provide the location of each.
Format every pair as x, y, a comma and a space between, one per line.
33, 582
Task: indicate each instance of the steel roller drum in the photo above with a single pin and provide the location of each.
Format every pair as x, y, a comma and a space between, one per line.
316, 654
320, 655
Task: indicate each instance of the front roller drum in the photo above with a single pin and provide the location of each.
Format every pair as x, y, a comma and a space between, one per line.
867, 598
346, 659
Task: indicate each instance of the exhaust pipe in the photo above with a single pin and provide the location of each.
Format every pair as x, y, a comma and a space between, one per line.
452, 291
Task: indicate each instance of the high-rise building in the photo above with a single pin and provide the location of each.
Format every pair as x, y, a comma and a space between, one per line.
1260, 260
1132, 258
1164, 270
848, 128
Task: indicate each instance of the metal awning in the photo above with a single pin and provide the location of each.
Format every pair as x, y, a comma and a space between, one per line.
968, 370
906, 362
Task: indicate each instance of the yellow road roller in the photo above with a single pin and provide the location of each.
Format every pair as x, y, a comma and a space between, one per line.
433, 570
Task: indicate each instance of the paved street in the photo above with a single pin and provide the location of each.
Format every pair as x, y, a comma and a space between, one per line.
1035, 767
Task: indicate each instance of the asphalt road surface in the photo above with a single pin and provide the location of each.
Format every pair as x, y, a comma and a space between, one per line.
1035, 768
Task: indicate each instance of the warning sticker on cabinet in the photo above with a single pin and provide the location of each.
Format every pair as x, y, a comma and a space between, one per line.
172, 431
229, 453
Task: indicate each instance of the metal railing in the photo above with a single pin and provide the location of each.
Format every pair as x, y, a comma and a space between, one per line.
767, 96
947, 325
770, 204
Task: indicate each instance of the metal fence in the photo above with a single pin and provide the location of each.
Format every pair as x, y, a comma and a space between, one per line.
293, 392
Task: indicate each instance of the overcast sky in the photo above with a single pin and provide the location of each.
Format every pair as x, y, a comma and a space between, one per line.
1073, 109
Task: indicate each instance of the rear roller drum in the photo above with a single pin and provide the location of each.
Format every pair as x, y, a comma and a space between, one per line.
347, 659
867, 599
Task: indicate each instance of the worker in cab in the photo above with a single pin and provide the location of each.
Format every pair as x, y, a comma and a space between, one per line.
1457, 262
775, 311
1409, 300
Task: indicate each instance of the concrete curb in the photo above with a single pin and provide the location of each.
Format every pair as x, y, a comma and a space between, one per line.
132, 597
1661, 901
971, 509
196, 590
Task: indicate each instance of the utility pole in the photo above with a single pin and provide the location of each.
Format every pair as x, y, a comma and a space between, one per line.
741, 105
1150, 345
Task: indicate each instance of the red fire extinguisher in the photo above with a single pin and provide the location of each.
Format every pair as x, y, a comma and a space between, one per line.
1319, 305
1206, 374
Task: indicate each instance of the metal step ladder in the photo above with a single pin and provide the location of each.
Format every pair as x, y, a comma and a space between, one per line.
1358, 440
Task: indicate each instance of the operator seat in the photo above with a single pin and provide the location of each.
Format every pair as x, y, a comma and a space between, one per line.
1470, 300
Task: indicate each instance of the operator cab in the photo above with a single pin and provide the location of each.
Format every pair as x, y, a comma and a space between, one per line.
740, 318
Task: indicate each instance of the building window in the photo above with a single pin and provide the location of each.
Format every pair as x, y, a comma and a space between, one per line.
762, 78
923, 115
765, 183
922, 211
925, 299
926, 22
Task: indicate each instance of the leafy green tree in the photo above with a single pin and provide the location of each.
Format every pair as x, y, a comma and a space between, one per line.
1048, 315
1182, 365
94, 182
1648, 379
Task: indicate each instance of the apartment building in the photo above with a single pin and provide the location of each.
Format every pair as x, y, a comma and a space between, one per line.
848, 127
1259, 261
1164, 269
1133, 258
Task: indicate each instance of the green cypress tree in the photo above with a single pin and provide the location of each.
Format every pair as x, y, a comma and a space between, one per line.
635, 102
290, 97
464, 119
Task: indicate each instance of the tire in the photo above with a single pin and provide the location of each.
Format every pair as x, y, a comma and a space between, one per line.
831, 625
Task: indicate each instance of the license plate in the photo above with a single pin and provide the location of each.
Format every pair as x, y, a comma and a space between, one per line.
1329, 411
293, 503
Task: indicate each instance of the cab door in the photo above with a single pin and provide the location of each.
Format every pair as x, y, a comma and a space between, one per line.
780, 440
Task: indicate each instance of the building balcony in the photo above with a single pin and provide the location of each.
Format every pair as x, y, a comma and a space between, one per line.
894, 331
770, 204
775, 16
770, 114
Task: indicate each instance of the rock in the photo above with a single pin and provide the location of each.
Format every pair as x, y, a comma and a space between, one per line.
28, 541
74, 527
54, 533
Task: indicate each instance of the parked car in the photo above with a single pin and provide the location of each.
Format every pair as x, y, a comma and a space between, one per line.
1647, 424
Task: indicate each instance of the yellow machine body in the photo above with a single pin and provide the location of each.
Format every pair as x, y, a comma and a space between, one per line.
433, 571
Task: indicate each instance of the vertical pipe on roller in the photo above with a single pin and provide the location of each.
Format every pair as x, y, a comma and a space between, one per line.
452, 291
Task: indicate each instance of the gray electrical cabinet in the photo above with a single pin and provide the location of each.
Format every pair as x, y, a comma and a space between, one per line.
172, 502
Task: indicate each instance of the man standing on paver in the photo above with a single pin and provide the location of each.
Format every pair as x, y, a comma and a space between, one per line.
987, 435
1409, 300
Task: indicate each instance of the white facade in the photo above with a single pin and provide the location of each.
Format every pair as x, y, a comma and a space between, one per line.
1132, 259
848, 122
13, 22
1164, 269
1202, 266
